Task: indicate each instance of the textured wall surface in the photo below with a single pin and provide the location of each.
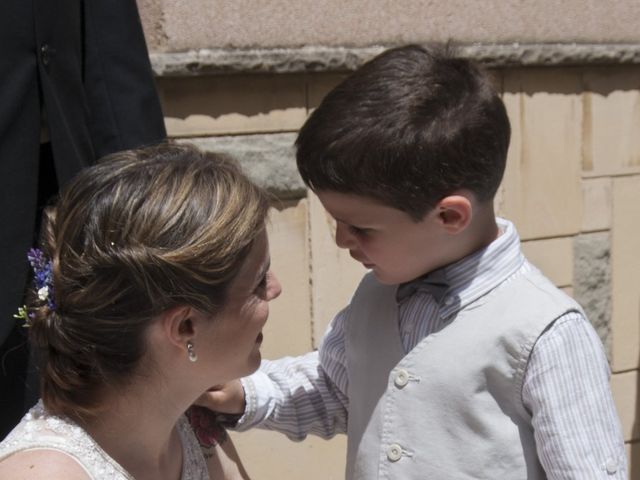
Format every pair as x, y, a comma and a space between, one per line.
176, 25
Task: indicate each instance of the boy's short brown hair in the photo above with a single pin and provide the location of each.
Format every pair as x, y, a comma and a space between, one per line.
408, 128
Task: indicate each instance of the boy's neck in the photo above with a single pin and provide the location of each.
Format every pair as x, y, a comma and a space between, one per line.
482, 231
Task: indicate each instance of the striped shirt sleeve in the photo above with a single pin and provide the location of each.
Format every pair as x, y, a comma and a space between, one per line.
301, 395
566, 389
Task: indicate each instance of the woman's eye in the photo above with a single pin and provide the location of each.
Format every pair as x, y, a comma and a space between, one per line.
262, 286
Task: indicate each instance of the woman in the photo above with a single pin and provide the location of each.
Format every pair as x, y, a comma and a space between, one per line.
157, 289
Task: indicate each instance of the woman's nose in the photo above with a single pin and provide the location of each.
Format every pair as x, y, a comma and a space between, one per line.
275, 289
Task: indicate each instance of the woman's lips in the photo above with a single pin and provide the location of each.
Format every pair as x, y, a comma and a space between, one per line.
259, 338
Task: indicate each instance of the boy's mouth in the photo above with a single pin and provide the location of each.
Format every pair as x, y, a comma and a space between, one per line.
356, 257
365, 263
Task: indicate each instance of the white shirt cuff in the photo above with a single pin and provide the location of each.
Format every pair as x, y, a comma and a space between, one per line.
260, 394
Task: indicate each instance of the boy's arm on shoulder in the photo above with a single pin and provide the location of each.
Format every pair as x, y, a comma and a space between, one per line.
295, 396
566, 388
301, 395
37, 464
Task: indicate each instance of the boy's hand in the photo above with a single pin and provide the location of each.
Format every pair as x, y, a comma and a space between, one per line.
227, 398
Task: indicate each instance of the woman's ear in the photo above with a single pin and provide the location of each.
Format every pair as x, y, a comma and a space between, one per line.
178, 325
455, 212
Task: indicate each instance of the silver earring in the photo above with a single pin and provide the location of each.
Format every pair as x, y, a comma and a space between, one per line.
191, 352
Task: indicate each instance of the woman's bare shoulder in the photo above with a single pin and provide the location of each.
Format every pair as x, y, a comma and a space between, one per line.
41, 463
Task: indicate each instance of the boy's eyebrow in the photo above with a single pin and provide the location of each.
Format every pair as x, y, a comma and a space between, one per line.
351, 224
338, 219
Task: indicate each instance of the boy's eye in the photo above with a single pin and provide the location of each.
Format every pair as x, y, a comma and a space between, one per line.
358, 230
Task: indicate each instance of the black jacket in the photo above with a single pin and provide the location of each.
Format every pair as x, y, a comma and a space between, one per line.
86, 63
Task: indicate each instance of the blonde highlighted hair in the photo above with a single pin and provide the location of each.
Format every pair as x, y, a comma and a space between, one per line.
139, 233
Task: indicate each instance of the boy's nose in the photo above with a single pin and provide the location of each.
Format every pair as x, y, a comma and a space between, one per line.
344, 238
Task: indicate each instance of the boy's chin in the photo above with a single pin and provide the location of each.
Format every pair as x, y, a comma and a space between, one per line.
385, 278
395, 278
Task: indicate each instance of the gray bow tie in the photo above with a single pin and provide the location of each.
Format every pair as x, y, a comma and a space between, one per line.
434, 283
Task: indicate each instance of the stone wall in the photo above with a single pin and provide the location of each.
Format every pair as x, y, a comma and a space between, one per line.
241, 77
178, 25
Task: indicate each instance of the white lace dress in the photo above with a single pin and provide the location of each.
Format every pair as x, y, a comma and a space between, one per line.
38, 430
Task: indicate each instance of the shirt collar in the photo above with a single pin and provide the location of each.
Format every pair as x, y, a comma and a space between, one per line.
457, 285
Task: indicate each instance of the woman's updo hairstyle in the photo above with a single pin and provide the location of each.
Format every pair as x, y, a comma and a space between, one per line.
138, 233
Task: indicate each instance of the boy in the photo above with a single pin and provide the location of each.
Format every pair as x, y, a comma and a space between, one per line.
456, 358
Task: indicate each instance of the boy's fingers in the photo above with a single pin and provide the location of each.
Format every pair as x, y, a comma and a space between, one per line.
227, 398
211, 400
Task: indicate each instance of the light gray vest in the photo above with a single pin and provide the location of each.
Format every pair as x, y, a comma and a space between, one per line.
452, 407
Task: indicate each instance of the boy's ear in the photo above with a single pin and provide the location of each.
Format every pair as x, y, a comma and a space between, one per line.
454, 212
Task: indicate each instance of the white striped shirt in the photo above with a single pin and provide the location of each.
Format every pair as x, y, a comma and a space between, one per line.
566, 387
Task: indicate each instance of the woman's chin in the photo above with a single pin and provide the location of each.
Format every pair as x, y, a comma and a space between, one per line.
253, 362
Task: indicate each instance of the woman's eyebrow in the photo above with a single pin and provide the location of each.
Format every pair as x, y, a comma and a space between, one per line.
263, 271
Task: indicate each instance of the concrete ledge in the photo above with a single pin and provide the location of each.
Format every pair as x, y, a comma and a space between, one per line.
343, 59
269, 160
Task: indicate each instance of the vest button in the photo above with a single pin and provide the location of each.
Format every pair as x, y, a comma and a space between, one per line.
611, 466
402, 378
394, 452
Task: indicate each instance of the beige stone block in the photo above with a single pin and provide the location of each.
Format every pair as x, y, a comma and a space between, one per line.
633, 459
554, 257
625, 393
625, 273
320, 85
335, 275
288, 331
271, 455
217, 105
567, 290
596, 204
611, 103
541, 190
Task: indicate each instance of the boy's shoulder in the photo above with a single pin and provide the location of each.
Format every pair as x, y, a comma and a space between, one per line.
530, 301
529, 287
533, 280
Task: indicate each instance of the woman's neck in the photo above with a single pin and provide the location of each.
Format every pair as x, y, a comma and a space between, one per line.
138, 430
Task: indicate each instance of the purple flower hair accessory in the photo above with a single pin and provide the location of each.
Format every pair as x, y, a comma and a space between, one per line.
43, 280
42, 276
